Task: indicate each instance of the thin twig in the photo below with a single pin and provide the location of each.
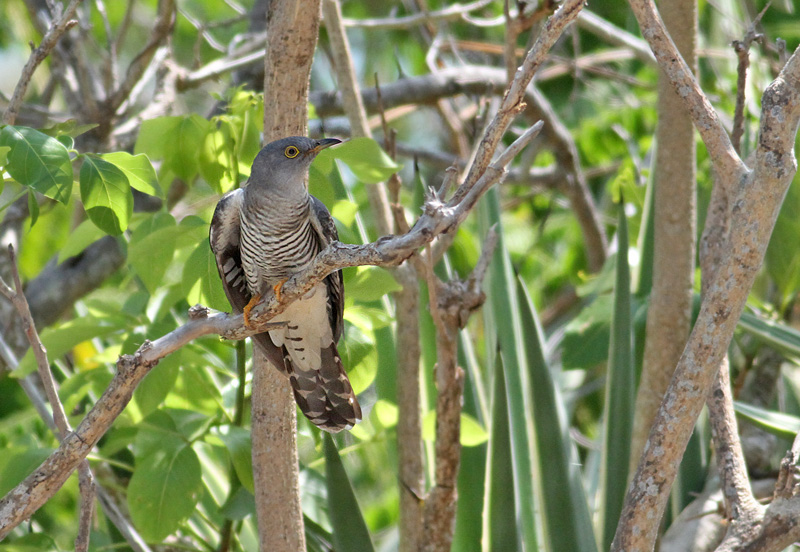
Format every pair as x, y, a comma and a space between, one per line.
57, 29
742, 49
86, 480
450, 13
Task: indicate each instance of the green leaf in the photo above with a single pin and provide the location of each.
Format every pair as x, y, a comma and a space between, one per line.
16, 465
562, 497
471, 433
183, 149
500, 525
217, 162
140, 172
784, 426
780, 336
69, 128
79, 239
620, 394
586, 337
60, 339
201, 281
106, 195
349, 529
164, 489
33, 207
371, 283
503, 302
152, 247
155, 135
238, 444
782, 267
157, 384
4, 155
38, 161
363, 156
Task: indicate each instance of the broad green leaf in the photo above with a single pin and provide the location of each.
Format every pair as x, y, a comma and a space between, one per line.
33, 207
17, 464
363, 156
371, 283
345, 211
349, 529
140, 172
238, 444
4, 155
164, 489
201, 281
620, 394
79, 239
471, 433
152, 247
783, 425
158, 383
155, 135
183, 151
562, 497
61, 338
38, 161
217, 161
106, 195
69, 128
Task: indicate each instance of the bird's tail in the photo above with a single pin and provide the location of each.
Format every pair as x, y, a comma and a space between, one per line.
324, 395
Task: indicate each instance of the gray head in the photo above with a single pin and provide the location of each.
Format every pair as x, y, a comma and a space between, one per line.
282, 166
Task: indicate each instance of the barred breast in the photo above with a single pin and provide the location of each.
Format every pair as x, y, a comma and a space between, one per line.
277, 241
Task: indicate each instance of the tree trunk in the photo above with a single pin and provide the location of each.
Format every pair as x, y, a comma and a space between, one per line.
670, 314
292, 28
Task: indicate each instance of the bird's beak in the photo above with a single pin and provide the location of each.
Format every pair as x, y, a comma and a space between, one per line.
322, 144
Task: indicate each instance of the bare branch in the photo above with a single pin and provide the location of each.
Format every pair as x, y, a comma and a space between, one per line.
57, 28
450, 13
726, 162
754, 211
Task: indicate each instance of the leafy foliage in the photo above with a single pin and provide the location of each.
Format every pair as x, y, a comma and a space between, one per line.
534, 409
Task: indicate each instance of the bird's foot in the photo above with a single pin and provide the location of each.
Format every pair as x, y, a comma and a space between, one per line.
248, 307
277, 289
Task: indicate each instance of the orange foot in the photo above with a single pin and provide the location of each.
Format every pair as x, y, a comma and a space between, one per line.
248, 307
277, 289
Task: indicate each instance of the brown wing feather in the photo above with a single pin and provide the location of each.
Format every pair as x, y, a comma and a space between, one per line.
224, 238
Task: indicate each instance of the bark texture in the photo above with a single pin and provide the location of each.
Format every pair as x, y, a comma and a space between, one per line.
670, 312
292, 28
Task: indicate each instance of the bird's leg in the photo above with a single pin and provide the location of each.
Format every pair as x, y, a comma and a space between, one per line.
248, 307
277, 288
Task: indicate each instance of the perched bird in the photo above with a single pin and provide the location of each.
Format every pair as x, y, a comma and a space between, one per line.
262, 234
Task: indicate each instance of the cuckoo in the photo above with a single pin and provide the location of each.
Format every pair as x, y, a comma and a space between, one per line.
263, 233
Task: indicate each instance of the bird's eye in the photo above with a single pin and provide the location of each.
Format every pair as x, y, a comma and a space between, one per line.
291, 152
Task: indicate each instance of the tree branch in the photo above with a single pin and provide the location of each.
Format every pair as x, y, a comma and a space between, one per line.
61, 24
755, 209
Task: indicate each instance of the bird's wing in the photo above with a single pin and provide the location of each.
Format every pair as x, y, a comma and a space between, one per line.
326, 231
224, 238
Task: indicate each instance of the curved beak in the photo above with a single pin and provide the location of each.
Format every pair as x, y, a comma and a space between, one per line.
322, 144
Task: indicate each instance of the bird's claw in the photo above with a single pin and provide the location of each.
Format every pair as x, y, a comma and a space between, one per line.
277, 289
248, 307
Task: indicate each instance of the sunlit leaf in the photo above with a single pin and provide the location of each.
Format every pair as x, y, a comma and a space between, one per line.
106, 195
201, 281
140, 172
363, 156
38, 161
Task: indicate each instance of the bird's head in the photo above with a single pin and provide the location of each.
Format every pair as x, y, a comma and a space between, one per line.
282, 166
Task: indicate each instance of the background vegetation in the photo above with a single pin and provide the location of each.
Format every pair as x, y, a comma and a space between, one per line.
111, 172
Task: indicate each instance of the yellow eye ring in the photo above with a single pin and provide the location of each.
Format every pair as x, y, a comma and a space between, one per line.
291, 152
